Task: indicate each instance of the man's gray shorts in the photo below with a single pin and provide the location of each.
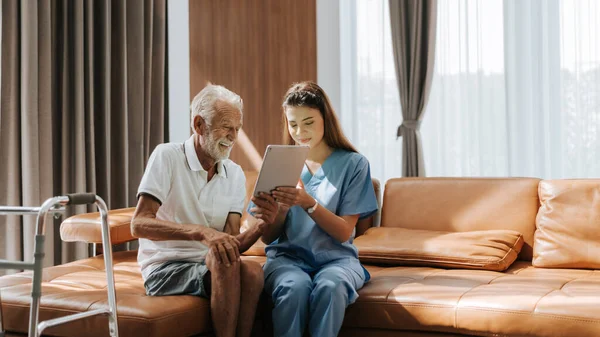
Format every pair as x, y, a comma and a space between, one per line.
178, 278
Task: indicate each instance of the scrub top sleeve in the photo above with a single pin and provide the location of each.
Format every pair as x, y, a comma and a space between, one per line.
250, 206
359, 196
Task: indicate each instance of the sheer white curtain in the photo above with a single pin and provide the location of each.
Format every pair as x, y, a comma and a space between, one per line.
516, 90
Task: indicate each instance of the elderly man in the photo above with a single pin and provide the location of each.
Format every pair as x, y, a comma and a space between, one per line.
190, 201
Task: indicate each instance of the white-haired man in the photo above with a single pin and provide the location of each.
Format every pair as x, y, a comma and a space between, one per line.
190, 202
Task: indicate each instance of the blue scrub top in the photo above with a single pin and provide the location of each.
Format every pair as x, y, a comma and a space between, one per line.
342, 185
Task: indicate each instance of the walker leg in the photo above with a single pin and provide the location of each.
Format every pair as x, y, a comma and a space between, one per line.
36, 285
1, 326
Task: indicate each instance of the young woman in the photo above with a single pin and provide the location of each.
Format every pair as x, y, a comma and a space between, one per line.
312, 271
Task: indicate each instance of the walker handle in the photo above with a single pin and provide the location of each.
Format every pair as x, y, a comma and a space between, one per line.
81, 198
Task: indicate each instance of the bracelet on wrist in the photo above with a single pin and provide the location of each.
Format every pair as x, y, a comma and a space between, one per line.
311, 209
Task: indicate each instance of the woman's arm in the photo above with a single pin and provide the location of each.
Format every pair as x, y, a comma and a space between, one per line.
269, 217
271, 233
249, 236
339, 227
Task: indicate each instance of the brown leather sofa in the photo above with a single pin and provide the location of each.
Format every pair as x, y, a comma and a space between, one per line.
452, 257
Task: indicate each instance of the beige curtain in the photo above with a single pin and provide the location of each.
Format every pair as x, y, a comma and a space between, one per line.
82, 107
413, 25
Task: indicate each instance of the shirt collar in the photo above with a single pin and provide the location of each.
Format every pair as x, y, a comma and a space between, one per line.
194, 162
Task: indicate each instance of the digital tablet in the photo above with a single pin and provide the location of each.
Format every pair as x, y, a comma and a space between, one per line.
281, 167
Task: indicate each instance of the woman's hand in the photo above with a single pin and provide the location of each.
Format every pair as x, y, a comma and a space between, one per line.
266, 208
290, 196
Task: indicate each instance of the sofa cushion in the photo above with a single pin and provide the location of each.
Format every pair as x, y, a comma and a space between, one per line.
81, 285
522, 301
87, 227
487, 250
463, 204
568, 220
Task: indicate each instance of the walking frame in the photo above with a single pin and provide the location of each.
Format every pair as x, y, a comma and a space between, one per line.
55, 206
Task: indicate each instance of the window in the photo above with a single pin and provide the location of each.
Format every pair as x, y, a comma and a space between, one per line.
516, 89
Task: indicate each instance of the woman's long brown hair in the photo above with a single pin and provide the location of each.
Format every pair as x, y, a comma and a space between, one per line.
309, 94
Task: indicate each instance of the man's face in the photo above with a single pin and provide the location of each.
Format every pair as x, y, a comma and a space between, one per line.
223, 131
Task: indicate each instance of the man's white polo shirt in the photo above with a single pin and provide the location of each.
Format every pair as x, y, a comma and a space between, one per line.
176, 179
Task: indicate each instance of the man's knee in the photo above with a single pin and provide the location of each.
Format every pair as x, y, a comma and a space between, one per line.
251, 273
221, 270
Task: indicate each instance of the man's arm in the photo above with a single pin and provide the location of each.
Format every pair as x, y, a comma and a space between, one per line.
232, 224
145, 225
248, 237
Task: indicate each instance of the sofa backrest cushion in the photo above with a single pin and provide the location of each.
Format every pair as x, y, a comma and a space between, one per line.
568, 224
87, 227
463, 204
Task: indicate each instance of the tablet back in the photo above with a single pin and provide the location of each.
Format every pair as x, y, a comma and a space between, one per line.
281, 166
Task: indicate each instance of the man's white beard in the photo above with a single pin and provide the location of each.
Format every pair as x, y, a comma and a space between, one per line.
214, 149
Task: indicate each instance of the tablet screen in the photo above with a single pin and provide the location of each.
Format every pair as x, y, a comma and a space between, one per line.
281, 166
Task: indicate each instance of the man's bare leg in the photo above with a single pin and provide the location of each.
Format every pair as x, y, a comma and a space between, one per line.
252, 280
225, 296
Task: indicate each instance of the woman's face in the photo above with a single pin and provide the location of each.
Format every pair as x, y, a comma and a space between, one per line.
305, 125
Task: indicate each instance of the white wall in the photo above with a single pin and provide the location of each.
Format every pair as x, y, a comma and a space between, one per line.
328, 49
179, 70
331, 39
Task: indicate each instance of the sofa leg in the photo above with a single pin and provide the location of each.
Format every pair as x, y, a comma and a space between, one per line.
36, 285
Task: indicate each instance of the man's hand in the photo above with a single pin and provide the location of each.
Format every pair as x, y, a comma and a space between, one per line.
266, 208
223, 246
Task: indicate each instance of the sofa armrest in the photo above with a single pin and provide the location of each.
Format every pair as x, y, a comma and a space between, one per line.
88, 227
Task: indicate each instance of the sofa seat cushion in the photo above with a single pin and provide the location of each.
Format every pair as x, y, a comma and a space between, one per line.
81, 286
522, 301
488, 249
